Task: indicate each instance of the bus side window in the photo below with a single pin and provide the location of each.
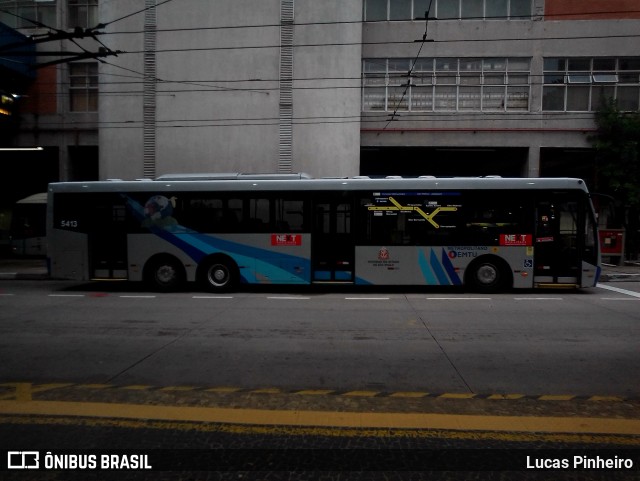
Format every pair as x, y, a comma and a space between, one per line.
233, 215
202, 214
486, 219
259, 215
289, 215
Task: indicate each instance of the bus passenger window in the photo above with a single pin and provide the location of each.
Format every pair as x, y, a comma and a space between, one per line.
259, 215
289, 215
343, 219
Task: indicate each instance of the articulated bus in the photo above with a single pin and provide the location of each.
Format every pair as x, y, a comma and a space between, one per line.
223, 230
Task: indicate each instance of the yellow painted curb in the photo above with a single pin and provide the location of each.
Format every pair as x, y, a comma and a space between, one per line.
462, 422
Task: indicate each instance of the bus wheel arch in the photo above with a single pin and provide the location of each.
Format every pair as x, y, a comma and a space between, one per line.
218, 272
489, 273
164, 272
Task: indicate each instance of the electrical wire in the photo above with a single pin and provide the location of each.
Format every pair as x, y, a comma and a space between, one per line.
413, 65
106, 24
373, 22
365, 117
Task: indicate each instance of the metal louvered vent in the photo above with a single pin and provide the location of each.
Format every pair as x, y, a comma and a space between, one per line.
285, 160
149, 91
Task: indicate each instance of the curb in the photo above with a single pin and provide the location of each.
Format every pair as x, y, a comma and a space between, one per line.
24, 276
619, 277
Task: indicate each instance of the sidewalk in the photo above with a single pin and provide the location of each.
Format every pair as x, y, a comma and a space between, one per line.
30, 268
36, 268
628, 272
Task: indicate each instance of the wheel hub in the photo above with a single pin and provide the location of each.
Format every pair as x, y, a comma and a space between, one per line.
487, 274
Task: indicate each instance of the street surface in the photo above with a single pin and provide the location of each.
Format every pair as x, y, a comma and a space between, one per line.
535, 343
348, 376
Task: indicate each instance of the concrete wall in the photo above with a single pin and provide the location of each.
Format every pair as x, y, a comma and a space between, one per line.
327, 87
217, 104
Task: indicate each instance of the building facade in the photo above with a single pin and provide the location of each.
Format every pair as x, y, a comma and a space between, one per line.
501, 87
50, 131
335, 88
232, 85
330, 87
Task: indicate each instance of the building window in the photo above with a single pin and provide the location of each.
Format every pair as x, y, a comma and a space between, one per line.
381, 10
584, 84
18, 13
446, 84
83, 13
83, 87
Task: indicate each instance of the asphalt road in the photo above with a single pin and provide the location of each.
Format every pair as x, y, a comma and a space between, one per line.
309, 385
534, 343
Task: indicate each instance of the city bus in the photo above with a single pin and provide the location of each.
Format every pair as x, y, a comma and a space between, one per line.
226, 230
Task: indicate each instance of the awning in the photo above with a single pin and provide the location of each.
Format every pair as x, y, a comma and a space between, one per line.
15, 69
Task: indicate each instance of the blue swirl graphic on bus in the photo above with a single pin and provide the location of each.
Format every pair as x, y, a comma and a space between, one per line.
266, 265
438, 271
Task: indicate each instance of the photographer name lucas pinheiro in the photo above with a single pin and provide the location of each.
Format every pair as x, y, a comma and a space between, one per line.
33, 460
580, 462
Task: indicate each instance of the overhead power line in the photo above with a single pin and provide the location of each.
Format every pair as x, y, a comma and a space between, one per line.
111, 22
392, 42
413, 64
54, 34
372, 22
488, 118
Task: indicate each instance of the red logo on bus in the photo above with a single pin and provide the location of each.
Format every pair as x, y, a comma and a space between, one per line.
516, 240
286, 240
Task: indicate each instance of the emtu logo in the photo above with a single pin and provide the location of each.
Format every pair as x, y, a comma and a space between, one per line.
23, 460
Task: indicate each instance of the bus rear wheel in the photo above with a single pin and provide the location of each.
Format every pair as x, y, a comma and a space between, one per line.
219, 274
489, 274
165, 273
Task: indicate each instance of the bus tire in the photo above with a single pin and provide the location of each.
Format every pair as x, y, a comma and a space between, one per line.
218, 274
489, 274
164, 273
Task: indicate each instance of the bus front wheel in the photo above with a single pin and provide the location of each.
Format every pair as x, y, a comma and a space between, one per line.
165, 273
219, 274
489, 274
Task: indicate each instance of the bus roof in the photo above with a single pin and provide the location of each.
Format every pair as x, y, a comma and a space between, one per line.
39, 198
279, 182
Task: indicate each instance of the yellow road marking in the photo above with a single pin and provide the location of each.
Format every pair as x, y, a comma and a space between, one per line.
506, 396
315, 392
324, 431
361, 393
556, 398
24, 390
409, 394
328, 419
267, 390
457, 396
223, 389
606, 398
137, 387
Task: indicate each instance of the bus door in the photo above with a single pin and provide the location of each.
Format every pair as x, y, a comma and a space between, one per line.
558, 246
332, 251
108, 241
